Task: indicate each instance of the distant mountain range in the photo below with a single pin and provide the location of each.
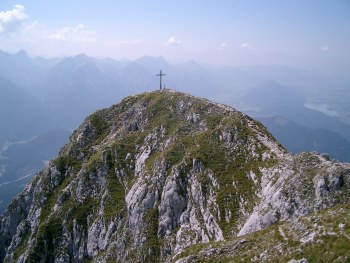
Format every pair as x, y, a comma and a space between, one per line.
24, 71
41, 95
298, 138
21, 115
274, 99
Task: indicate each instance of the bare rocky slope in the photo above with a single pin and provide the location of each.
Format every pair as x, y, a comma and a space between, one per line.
165, 176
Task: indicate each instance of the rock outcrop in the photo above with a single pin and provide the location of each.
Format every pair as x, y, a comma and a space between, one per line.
148, 178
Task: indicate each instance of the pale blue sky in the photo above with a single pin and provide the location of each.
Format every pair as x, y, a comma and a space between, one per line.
302, 33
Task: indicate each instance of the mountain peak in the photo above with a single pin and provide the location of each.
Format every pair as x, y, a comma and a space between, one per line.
81, 56
157, 173
22, 53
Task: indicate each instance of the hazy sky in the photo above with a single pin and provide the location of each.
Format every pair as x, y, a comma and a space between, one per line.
297, 32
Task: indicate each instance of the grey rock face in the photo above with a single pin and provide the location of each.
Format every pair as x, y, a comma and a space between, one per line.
288, 194
157, 173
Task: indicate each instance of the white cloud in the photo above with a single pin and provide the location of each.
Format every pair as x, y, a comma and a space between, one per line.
10, 20
19, 31
12, 15
30, 32
223, 45
246, 45
325, 49
172, 41
137, 41
75, 34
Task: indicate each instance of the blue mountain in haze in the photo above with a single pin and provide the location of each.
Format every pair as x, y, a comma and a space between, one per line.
273, 99
21, 114
298, 138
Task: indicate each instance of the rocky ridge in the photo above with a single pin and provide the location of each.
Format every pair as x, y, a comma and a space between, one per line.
153, 176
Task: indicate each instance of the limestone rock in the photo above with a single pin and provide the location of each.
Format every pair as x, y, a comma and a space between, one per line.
157, 173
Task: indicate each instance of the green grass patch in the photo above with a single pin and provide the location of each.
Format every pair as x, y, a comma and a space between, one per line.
63, 163
151, 248
99, 123
115, 203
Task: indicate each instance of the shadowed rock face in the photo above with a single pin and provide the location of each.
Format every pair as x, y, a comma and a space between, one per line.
161, 171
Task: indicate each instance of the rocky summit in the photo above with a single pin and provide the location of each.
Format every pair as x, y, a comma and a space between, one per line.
167, 177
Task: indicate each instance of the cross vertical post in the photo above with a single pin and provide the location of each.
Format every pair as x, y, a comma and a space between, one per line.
160, 75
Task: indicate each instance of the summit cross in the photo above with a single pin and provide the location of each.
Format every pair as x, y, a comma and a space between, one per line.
160, 75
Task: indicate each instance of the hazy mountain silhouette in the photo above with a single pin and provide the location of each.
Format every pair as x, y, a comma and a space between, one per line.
273, 99
298, 138
286, 75
24, 71
21, 115
76, 87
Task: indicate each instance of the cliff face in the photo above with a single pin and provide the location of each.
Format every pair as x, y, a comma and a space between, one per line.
157, 173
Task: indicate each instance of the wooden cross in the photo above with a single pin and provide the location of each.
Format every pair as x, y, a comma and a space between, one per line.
160, 75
